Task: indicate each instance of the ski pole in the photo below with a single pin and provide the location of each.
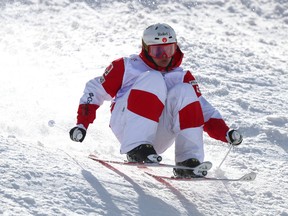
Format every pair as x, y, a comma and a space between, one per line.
52, 123
231, 146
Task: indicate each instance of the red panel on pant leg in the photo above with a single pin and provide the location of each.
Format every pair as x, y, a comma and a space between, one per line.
191, 116
145, 104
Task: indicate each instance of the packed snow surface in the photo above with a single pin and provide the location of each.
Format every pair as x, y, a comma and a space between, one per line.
49, 49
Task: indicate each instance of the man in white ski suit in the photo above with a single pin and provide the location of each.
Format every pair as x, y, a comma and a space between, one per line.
155, 103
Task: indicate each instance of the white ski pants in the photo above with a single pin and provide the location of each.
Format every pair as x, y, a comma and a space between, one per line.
150, 114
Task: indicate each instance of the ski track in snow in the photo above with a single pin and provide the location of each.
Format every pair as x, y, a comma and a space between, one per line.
237, 50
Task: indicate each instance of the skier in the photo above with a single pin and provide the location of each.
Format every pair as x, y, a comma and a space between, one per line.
154, 104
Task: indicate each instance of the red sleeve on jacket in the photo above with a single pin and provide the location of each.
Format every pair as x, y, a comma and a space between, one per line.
216, 128
113, 77
189, 78
111, 81
86, 114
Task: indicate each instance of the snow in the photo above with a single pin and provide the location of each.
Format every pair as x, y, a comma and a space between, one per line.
48, 50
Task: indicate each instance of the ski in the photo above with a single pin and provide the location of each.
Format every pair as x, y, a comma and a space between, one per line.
202, 168
107, 164
205, 166
245, 178
165, 180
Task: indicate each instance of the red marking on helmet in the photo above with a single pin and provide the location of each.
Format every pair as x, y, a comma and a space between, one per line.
164, 40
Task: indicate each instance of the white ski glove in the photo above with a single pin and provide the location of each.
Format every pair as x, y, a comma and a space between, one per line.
234, 137
78, 133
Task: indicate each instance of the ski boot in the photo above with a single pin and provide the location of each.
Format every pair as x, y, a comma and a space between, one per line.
185, 173
143, 153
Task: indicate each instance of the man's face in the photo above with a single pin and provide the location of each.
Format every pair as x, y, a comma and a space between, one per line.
162, 53
162, 62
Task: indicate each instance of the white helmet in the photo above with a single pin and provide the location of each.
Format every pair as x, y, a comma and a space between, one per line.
159, 33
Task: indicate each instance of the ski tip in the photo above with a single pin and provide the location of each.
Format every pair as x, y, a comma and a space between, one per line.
248, 177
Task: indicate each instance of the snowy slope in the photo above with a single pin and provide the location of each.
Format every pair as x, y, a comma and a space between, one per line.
237, 50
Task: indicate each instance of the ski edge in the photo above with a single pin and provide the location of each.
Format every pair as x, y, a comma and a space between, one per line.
245, 178
205, 166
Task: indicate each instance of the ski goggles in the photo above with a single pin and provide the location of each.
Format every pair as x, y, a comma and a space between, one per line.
162, 50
